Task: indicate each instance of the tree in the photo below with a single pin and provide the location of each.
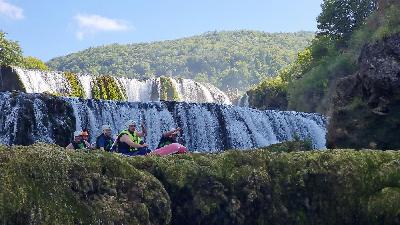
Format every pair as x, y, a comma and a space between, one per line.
34, 63
10, 52
340, 17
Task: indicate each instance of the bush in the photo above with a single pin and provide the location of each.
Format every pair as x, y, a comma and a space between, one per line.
34, 63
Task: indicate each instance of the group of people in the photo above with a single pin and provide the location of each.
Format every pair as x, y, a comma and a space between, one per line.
129, 141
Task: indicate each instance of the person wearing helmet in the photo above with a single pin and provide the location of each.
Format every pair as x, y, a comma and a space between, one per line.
78, 142
105, 140
85, 138
169, 145
129, 141
169, 137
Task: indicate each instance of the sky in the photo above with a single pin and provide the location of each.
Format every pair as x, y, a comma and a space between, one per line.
46, 28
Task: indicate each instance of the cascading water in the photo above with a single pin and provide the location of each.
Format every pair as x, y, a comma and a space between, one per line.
86, 82
190, 91
206, 127
138, 91
35, 81
243, 101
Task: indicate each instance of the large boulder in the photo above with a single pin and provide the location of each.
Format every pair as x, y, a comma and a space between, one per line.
365, 110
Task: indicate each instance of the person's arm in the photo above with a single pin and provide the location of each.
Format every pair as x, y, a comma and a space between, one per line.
70, 146
88, 145
125, 138
144, 131
168, 133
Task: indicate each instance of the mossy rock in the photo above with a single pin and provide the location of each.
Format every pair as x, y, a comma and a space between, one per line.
44, 184
76, 86
107, 88
168, 91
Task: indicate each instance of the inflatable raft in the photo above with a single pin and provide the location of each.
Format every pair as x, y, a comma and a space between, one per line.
173, 148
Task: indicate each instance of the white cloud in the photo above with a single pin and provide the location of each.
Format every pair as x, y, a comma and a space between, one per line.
91, 24
11, 11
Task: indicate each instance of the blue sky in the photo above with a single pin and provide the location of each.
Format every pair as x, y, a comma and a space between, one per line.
48, 28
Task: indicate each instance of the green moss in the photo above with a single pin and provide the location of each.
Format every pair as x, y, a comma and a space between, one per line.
106, 87
168, 91
385, 205
45, 184
265, 187
76, 86
357, 126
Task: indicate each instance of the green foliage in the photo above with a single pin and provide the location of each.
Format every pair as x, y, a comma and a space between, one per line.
267, 187
270, 94
76, 86
10, 52
385, 205
390, 24
339, 18
30, 62
228, 60
106, 87
292, 146
356, 126
45, 184
311, 78
311, 92
168, 91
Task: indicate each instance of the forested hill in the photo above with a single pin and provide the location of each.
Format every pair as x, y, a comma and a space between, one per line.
229, 59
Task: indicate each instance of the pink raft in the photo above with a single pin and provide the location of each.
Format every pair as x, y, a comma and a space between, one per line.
170, 149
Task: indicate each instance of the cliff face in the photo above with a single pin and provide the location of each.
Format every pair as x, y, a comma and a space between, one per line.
365, 112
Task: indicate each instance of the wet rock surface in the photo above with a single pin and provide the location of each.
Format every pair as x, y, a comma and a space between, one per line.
366, 106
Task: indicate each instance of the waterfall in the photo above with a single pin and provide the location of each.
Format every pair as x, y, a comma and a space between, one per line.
136, 90
86, 82
205, 126
35, 81
190, 91
244, 100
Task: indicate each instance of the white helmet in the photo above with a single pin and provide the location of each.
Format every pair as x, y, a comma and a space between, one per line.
174, 131
105, 127
77, 133
130, 122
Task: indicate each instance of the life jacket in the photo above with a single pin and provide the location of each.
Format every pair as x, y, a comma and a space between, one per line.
80, 145
122, 146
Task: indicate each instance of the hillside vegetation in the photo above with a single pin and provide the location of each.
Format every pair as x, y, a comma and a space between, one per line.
230, 60
46, 184
344, 28
11, 55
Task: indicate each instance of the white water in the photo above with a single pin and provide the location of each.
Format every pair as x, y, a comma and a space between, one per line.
206, 127
244, 100
242, 128
86, 82
36, 81
135, 90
